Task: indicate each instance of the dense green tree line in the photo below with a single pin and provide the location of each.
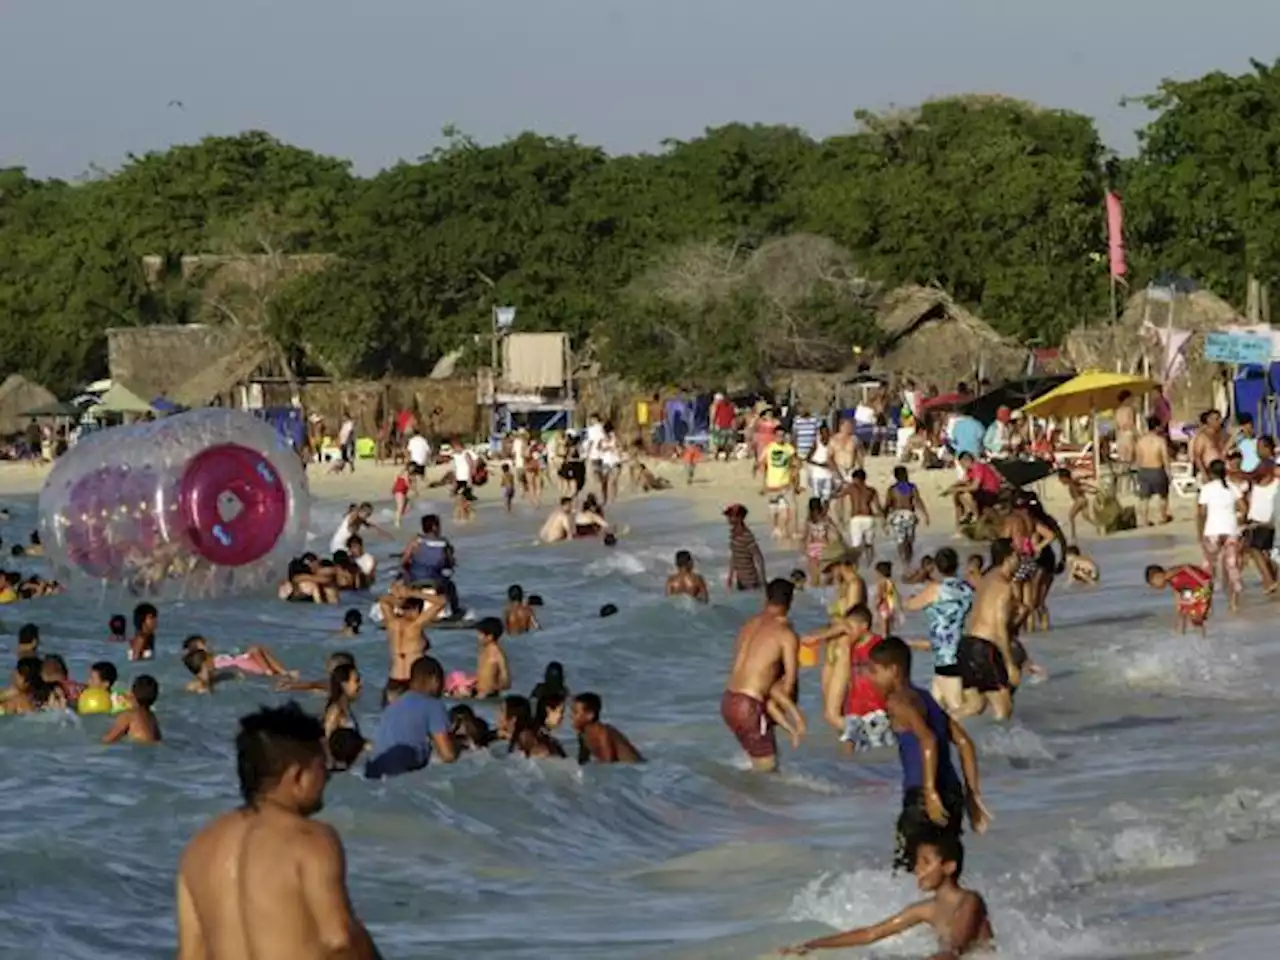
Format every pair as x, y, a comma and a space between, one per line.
997, 201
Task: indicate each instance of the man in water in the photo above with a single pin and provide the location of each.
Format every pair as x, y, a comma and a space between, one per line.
933, 797
1151, 460
990, 657
429, 560
865, 510
266, 880
946, 603
567, 524
765, 654
414, 726
746, 562
686, 581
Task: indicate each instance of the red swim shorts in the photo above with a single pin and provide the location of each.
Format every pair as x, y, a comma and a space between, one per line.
745, 717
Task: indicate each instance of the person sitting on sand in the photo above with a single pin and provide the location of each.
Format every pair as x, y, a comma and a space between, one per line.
138, 723
598, 741
686, 581
957, 915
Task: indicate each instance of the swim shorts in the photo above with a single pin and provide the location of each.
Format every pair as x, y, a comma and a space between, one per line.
395, 761
1027, 568
779, 499
903, 524
747, 720
869, 731
981, 666
914, 825
862, 532
1151, 482
1261, 537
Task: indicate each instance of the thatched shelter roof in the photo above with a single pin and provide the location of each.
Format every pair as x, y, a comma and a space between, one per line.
226, 372
1133, 344
928, 335
17, 395
156, 361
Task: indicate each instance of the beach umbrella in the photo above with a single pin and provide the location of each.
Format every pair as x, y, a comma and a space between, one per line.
1014, 395
1087, 395
945, 401
120, 399
1020, 473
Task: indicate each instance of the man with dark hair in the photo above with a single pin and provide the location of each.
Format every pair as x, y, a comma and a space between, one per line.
145, 620
746, 562
946, 603
933, 797
413, 726
990, 656
765, 654
1151, 481
599, 741
266, 880
429, 561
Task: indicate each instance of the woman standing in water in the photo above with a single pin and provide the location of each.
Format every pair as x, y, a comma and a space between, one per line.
344, 689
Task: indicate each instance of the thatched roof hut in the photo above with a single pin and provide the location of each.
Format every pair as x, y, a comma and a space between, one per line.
156, 361
1134, 344
17, 395
929, 336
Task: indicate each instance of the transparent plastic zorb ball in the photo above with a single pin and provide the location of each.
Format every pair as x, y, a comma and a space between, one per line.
202, 504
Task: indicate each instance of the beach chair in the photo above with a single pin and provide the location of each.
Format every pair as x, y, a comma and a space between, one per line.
1182, 478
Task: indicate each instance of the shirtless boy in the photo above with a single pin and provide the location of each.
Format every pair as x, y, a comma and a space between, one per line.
406, 613
765, 654
865, 510
493, 676
990, 657
518, 616
143, 644
138, 723
686, 581
597, 741
266, 880
958, 916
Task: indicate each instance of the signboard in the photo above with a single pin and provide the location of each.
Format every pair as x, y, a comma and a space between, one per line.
1239, 348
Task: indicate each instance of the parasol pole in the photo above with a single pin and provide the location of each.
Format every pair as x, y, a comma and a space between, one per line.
1097, 444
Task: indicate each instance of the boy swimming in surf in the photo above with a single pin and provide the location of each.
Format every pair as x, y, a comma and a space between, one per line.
138, 723
518, 616
1192, 588
493, 675
599, 741
957, 915
145, 620
686, 581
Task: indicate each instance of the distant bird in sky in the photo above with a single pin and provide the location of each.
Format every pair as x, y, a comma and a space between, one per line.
177, 103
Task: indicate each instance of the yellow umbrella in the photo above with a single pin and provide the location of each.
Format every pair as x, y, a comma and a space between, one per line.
1087, 395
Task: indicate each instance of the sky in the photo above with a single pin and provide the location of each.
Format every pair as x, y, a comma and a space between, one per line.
86, 82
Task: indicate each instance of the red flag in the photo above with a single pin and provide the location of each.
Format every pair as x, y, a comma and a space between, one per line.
1115, 235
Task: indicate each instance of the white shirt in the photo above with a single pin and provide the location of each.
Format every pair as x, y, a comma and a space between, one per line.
341, 536
1262, 502
419, 449
865, 415
1219, 502
818, 460
367, 564
595, 436
519, 446
462, 466
344, 434
607, 452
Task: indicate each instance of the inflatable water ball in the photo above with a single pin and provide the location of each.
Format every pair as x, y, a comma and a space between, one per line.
203, 504
93, 701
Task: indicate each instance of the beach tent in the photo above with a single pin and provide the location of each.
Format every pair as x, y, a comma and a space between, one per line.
18, 394
120, 399
58, 408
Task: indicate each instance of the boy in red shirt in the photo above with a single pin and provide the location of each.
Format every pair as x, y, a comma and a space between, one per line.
1192, 591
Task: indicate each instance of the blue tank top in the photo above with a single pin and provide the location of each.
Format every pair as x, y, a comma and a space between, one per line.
429, 560
909, 750
946, 617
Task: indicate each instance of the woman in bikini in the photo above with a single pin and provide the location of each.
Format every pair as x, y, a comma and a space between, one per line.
344, 689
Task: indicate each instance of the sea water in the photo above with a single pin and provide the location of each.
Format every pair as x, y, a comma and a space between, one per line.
1136, 799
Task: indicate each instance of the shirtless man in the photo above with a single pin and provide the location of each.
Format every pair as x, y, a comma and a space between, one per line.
865, 510
990, 657
559, 525
904, 508
686, 581
1151, 460
493, 675
847, 456
266, 880
765, 654
1209, 444
406, 612
1126, 430
597, 741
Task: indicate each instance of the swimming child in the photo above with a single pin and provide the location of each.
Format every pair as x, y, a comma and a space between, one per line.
28, 641
352, 621
145, 620
103, 676
1081, 568
887, 602
470, 732
117, 626
598, 741
493, 675
508, 487
138, 723
957, 915
1080, 505
819, 531
686, 581
518, 615
1192, 587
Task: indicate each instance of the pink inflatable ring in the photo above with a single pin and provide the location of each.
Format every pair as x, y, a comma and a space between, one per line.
233, 505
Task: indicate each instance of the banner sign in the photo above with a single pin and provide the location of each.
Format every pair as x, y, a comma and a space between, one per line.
1239, 348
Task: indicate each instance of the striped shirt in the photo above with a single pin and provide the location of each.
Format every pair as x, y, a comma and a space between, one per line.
804, 431
742, 558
